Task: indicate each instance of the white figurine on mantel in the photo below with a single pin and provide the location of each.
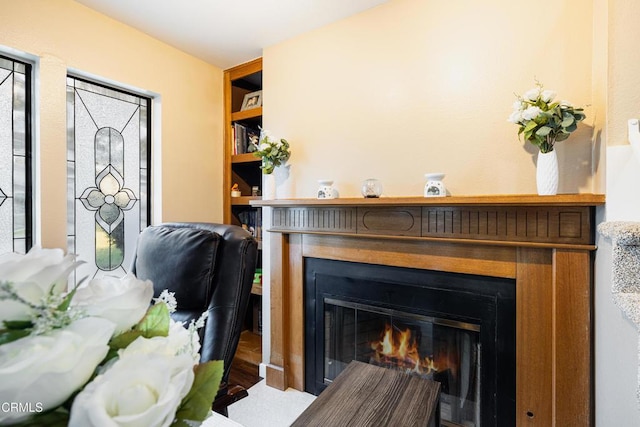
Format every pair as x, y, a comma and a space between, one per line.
326, 190
434, 186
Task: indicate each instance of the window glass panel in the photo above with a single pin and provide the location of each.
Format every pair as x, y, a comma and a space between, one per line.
107, 157
15, 156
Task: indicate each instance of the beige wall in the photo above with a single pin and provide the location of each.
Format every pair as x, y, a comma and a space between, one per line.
416, 86
64, 34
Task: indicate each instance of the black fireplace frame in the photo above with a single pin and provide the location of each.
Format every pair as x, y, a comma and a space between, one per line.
486, 301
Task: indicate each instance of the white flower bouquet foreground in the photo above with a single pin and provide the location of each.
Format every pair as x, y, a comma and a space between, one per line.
98, 354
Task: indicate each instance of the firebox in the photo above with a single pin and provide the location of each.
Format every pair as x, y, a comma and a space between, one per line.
452, 328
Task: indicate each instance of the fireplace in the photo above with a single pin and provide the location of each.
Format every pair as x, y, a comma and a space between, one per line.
544, 244
456, 329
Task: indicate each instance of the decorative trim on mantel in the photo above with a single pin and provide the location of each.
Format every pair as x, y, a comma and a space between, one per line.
511, 220
625, 237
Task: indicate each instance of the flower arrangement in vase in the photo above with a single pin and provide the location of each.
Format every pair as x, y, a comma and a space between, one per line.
544, 122
97, 354
272, 151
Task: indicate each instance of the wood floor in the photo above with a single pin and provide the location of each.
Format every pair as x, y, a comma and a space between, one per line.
245, 366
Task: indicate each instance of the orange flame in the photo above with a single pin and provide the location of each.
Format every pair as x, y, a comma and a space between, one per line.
399, 349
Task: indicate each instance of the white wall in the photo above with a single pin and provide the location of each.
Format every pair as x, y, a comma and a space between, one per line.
616, 338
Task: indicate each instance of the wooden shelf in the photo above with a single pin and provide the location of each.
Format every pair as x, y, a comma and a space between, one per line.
244, 200
244, 158
244, 170
246, 114
586, 199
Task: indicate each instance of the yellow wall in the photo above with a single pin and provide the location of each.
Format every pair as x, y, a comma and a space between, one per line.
416, 86
64, 34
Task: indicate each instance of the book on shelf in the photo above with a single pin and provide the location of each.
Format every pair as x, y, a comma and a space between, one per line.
251, 220
243, 138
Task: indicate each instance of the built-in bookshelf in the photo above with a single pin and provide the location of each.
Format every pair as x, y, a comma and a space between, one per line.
243, 119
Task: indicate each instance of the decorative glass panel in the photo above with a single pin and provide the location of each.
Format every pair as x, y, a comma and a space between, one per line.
108, 186
15, 156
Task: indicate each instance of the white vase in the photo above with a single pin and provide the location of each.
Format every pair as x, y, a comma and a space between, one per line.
547, 174
269, 187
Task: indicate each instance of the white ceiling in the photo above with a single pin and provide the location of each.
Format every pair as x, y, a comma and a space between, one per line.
227, 32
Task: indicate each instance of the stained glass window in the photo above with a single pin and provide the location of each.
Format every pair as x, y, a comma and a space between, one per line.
15, 156
108, 158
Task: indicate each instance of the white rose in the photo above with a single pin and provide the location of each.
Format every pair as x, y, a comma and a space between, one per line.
264, 146
531, 113
46, 369
566, 104
515, 117
548, 95
123, 301
33, 276
179, 341
138, 390
519, 105
532, 94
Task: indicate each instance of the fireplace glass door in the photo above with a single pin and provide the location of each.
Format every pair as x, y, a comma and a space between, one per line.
442, 350
456, 329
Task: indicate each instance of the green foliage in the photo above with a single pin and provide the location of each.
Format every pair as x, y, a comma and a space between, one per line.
9, 335
272, 152
196, 405
542, 121
155, 323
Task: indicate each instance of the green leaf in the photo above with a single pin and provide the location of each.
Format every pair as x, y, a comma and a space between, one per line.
567, 121
155, 323
543, 131
197, 403
18, 324
124, 339
530, 126
7, 336
64, 305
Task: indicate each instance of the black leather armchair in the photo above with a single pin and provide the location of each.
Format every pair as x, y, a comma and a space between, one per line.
209, 267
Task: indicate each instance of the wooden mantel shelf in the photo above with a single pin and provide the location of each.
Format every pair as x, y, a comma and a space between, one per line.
586, 199
523, 220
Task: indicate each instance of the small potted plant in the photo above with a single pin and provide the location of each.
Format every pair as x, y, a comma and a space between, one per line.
544, 122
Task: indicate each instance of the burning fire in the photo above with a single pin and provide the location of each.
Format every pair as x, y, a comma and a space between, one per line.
397, 348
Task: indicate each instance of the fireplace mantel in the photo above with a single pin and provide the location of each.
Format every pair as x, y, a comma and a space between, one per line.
545, 243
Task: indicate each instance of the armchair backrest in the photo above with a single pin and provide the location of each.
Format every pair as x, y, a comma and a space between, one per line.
209, 267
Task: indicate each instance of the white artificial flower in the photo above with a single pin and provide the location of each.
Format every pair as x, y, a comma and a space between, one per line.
532, 94
515, 117
264, 146
518, 105
46, 369
566, 104
180, 340
531, 113
548, 95
169, 298
137, 390
123, 301
33, 276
